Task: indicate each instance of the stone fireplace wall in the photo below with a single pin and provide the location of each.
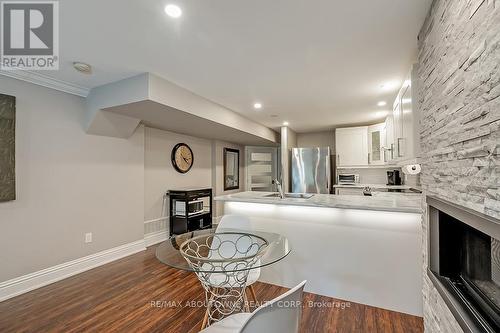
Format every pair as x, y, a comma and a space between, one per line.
459, 74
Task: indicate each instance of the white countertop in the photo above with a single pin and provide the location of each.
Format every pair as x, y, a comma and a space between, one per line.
360, 185
382, 202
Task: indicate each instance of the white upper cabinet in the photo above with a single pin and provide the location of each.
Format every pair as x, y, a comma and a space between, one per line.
376, 144
397, 128
396, 141
406, 123
389, 139
352, 146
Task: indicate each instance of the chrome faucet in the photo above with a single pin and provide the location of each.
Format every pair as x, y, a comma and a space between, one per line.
280, 188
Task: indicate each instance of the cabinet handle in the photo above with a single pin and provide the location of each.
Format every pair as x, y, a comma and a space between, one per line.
392, 151
369, 158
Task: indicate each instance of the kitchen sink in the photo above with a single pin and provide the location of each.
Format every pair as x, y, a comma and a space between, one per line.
290, 195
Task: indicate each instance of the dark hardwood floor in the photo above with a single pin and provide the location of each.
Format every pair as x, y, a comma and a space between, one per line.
139, 294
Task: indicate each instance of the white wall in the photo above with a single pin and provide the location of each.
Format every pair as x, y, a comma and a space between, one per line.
159, 174
68, 183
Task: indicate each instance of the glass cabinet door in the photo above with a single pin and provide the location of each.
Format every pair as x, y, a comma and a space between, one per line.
376, 155
376, 142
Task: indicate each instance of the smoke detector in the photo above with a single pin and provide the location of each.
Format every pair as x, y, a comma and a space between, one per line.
82, 67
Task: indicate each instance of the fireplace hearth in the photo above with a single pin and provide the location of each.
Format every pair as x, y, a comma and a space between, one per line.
464, 263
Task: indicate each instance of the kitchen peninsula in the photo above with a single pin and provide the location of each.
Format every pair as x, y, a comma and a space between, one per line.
362, 249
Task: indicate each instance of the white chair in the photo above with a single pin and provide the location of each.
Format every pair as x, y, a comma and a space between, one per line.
241, 222
281, 315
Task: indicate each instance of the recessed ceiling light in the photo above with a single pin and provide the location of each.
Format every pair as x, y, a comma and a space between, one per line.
382, 103
257, 106
82, 67
173, 11
286, 123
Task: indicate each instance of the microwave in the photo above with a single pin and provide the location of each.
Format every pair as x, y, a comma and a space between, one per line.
193, 207
350, 178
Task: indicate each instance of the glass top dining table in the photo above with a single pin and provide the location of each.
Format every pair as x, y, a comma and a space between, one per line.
276, 247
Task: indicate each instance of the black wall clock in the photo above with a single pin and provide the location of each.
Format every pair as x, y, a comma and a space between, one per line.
182, 157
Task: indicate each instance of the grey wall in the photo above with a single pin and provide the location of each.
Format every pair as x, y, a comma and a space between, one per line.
159, 174
317, 139
459, 74
68, 183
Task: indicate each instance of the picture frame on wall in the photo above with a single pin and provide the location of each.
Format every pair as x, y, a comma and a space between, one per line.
7, 148
231, 169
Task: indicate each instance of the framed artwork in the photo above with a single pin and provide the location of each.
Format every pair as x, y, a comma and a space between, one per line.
231, 169
7, 147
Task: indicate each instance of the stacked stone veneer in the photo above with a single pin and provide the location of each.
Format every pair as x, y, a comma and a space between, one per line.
459, 78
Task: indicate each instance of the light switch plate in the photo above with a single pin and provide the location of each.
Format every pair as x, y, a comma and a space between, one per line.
88, 237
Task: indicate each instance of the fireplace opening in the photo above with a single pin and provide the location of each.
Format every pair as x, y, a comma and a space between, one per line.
464, 264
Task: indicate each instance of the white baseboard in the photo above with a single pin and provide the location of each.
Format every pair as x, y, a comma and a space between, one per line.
25, 283
155, 237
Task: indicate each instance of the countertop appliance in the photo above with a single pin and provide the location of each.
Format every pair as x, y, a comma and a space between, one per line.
311, 170
393, 177
348, 179
193, 207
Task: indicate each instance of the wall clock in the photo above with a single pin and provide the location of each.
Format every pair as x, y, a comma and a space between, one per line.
182, 157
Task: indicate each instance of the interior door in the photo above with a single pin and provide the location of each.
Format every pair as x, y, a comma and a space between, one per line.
262, 168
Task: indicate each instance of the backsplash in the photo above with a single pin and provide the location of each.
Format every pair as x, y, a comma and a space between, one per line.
378, 175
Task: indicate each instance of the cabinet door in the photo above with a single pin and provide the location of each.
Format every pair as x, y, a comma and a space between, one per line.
407, 145
398, 128
376, 143
389, 139
352, 146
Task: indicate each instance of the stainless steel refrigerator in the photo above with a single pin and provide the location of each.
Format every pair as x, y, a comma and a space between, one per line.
311, 170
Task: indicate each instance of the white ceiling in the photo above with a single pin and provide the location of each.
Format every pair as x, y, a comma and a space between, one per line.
317, 64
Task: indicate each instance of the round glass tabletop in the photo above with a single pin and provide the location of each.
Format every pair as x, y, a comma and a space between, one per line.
221, 250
